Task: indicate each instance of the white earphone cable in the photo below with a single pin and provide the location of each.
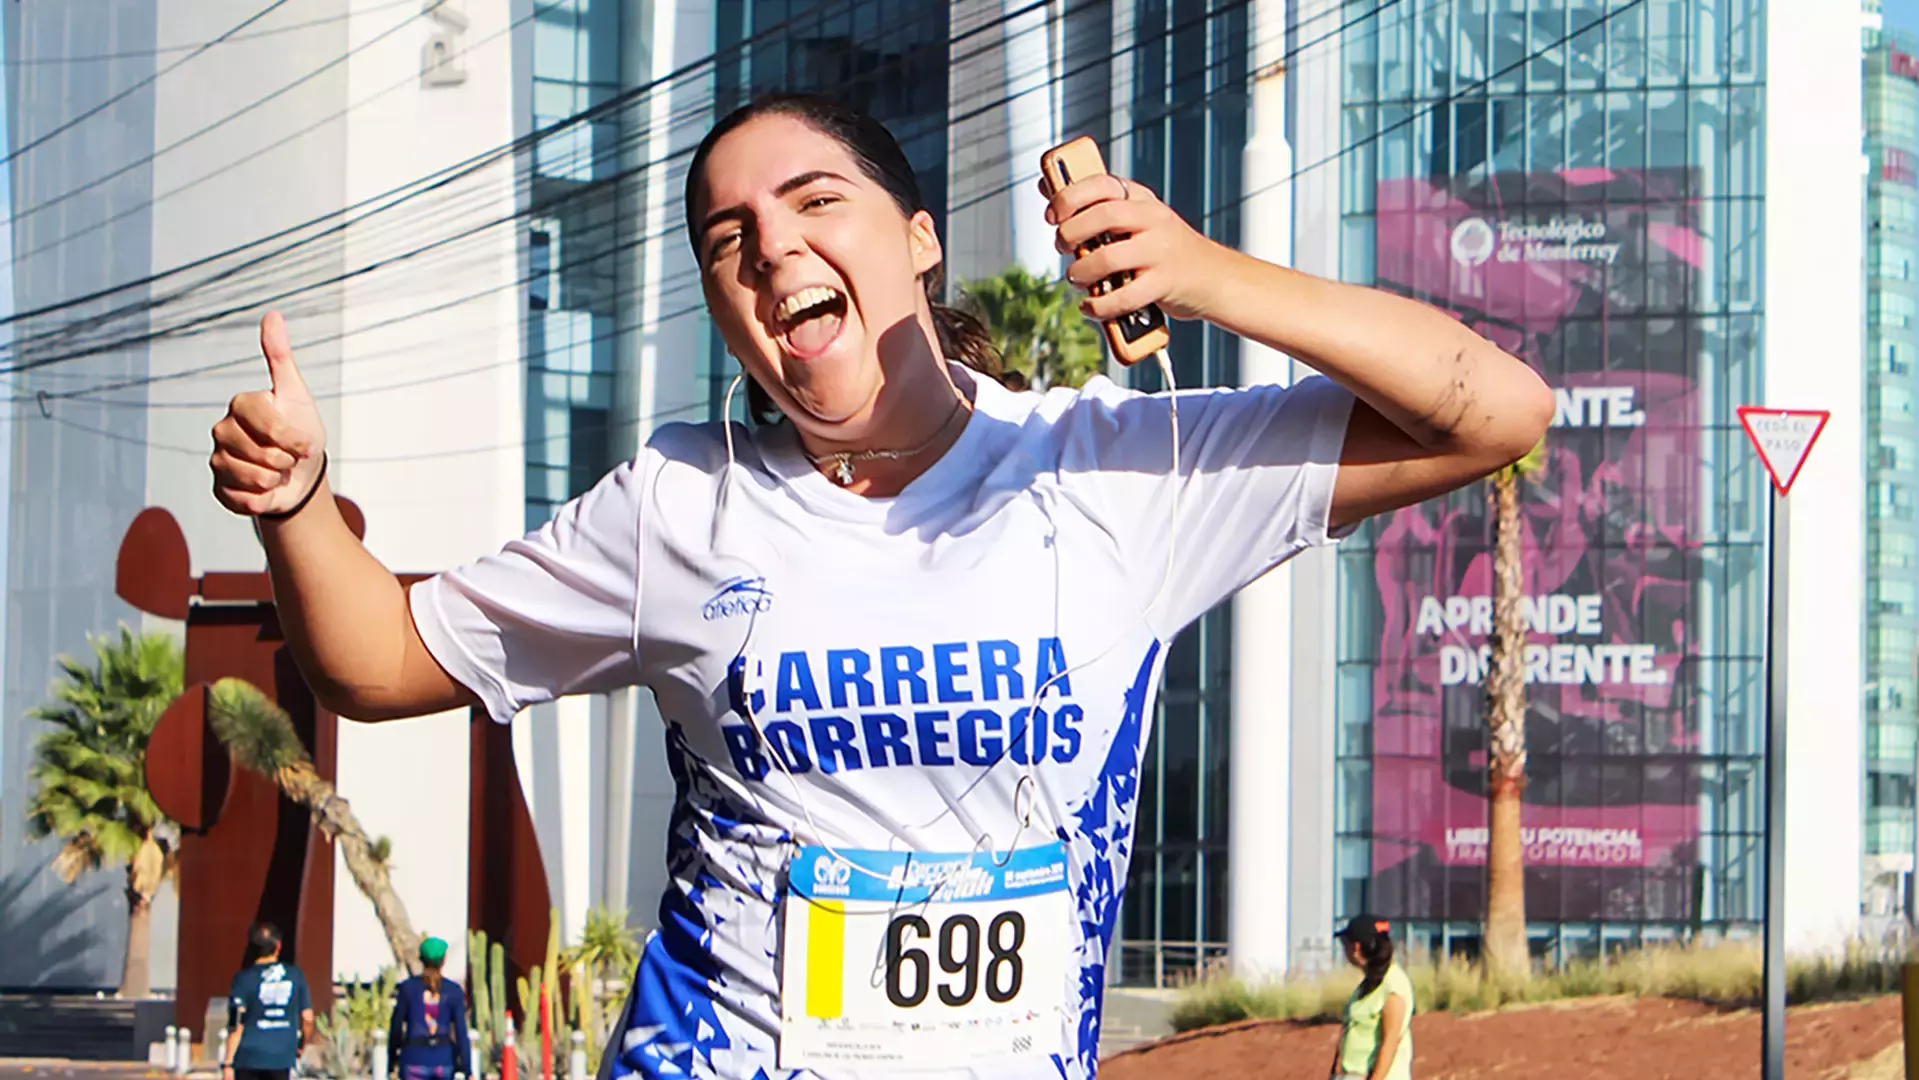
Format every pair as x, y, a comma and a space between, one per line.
1027, 783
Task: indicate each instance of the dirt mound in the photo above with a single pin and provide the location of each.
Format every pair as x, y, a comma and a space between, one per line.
1604, 1039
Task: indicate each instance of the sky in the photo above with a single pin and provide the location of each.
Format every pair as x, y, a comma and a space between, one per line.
1902, 15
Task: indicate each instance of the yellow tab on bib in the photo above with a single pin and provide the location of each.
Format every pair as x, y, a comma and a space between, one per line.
825, 958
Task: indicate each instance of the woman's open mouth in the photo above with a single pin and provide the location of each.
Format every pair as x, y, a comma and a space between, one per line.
809, 321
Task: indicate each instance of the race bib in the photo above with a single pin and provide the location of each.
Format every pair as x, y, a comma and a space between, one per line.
915, 960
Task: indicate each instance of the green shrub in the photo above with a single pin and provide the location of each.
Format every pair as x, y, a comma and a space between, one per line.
344, 1033
1720, 973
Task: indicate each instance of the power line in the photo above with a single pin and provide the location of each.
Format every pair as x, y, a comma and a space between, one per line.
403, 192
1464, 92
148, 305
673, 283
69, 125
229, 38
1364, 140
149, 203
148, 159
395, 459
152, 304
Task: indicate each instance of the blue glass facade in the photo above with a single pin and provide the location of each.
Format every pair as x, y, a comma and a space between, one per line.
1618, 149
888, 58
1188, 132
1892, 449
573, 297
71, 492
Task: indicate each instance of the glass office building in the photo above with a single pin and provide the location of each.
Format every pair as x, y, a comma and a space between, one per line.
573, 296
1186, 126
1582, 182
82, 221
1892, 465
888, 59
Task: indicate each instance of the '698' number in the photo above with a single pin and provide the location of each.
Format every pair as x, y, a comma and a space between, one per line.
959, 950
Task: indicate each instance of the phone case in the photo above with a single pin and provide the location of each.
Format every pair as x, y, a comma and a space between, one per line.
1135, 335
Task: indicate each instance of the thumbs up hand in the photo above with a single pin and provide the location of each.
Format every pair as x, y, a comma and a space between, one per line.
268, 450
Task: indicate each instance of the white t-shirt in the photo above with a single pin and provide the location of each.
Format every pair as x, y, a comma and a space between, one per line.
900, 641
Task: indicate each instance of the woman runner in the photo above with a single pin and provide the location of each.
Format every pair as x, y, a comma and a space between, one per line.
427, 1037
1376, 1034
906, 630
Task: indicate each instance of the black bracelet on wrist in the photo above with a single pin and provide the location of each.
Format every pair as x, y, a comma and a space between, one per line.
305, 499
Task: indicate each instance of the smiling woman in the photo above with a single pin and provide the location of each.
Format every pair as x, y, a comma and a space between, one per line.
898, 630
820, 164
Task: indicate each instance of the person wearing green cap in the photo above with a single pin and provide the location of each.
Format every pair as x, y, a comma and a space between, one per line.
428, 1034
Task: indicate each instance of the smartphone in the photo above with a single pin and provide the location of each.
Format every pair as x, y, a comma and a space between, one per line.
1135, 335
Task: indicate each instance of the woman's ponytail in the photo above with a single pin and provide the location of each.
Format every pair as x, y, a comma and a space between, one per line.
962, 336
1378, 959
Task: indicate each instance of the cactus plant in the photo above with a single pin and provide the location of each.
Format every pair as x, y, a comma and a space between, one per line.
528, 1036
476, 1003
496, 974
585, 1016
549, 996
555, 999
605, 958
345, 1032
487, 1036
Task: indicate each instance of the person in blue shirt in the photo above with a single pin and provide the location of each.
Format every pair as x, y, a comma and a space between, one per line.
269, 1013
428, 1033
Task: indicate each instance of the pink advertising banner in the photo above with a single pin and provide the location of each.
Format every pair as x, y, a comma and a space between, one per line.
1587, 275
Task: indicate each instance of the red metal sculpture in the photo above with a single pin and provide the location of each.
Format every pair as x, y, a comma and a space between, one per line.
247, 852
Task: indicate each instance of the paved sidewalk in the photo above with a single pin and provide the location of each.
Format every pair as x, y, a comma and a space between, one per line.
61, 1069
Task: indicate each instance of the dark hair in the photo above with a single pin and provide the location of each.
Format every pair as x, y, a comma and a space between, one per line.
1378, 957
431, 973
263, 939
962, 337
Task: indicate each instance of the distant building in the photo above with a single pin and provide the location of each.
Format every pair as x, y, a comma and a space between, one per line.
1655, 205
1658, 203
1892, 467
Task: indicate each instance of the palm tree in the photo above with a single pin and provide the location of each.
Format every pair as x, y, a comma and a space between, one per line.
603, 963
1505, 932
261, 738
1037, 327
92, 777
607, 946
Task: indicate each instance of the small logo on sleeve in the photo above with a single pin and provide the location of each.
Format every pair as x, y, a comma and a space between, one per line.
738, 596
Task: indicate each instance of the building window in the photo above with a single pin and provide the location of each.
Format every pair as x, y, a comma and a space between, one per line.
572, 297
888, 58
1187, 142
1649, 140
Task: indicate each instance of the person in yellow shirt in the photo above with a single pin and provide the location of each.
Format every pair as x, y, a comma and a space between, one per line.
1376, 1040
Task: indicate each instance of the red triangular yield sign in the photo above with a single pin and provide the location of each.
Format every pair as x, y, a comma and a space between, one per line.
1783, 438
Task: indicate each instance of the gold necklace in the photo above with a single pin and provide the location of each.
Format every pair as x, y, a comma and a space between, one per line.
841, 464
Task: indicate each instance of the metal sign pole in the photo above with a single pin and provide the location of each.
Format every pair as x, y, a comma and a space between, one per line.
1773, 979
1783, 439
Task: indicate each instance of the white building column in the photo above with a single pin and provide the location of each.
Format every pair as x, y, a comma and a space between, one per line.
1033, 129
433, 464
616, 802
1814, 305
1260, 827
1314, 86
654, 797
552, 747
670, 381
